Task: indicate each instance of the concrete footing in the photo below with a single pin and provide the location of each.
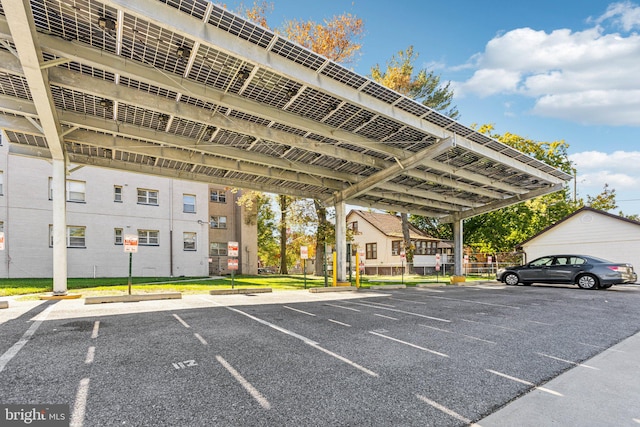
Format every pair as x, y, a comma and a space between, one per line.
240, 291
4, 304
333, 289
132, 298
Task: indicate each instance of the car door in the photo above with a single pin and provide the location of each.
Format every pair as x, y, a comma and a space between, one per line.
562, 269
537, 270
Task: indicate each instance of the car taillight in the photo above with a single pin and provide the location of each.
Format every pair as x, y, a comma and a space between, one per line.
613, 267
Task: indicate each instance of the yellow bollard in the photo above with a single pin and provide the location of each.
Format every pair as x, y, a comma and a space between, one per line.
357, 269
335, 270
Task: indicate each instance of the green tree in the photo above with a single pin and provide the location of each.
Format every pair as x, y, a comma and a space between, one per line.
423, 86
605, 201
503, 229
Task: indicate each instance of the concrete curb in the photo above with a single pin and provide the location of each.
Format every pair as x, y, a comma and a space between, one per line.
59, 297
431, 285
382, 287
132, 298
333, 289
4, 304
240, 291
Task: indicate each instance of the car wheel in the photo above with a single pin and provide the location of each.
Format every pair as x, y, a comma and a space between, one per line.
511, 279
587, 281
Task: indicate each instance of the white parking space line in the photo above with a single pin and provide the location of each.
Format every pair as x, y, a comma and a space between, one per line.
346, 308
90, 355
386, 317
384, 305
460, 300
567, 361
446, 410
11, 353
509, 377
457, 333
246, 384
437, 353
345, 360
540, 323
305, 340
185, 324
339, 323
271, 325
80, 404
299, 311
202, 340
492, 325
403, 312
438, 291
96, 328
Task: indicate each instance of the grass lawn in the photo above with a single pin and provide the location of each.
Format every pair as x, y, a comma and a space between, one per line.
30, 288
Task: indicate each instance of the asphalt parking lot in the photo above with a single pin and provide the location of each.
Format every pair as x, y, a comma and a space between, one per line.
446, 356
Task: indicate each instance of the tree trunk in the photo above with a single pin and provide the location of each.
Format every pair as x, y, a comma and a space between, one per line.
321, 236
284, 204
406, 237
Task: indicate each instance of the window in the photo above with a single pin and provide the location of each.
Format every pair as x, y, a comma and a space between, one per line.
75, 190
189, 241
372, 250
218, 248
188, 203
147, 197
396, 247
117, 193
424, 247
218, 222
117, 236
354, 227
218, 196
75, 236
148, 237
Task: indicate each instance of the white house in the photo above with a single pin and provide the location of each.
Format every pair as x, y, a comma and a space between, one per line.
589, 231
379, 237
181, 229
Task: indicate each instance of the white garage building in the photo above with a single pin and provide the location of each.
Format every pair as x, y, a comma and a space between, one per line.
589, 232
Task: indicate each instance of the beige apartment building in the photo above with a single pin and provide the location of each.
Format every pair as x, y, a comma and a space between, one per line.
183, 227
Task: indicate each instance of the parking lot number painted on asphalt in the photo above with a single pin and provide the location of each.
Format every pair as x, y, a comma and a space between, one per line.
185, 364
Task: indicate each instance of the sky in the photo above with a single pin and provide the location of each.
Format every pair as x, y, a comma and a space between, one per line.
547, 70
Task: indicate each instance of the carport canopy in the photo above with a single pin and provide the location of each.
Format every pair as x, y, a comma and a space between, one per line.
186, 89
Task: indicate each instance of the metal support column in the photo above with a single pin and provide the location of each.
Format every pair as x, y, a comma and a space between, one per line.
457, 248
341, 241
59, 195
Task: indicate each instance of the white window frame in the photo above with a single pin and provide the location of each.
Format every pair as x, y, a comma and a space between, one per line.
189, 203
148, 237
220, 222
218, 196
79, 241
117, 193
189, 241
118, 236
148, 197
73, 187
218, 248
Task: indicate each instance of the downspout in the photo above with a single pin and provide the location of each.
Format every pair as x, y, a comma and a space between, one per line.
171, 227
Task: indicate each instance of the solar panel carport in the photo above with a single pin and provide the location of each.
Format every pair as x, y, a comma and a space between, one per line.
187, 89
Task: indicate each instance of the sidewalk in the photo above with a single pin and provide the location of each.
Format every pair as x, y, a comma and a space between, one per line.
603, 391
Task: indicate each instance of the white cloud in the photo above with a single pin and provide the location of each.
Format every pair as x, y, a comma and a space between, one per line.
587, 76
618, 170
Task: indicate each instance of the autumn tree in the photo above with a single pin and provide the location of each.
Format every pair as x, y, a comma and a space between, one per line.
423, 86
604, 201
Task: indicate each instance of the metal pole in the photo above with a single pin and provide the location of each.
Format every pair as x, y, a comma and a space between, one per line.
130, 262
304, 269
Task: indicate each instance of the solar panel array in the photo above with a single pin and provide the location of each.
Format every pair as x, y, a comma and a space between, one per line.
178, 104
